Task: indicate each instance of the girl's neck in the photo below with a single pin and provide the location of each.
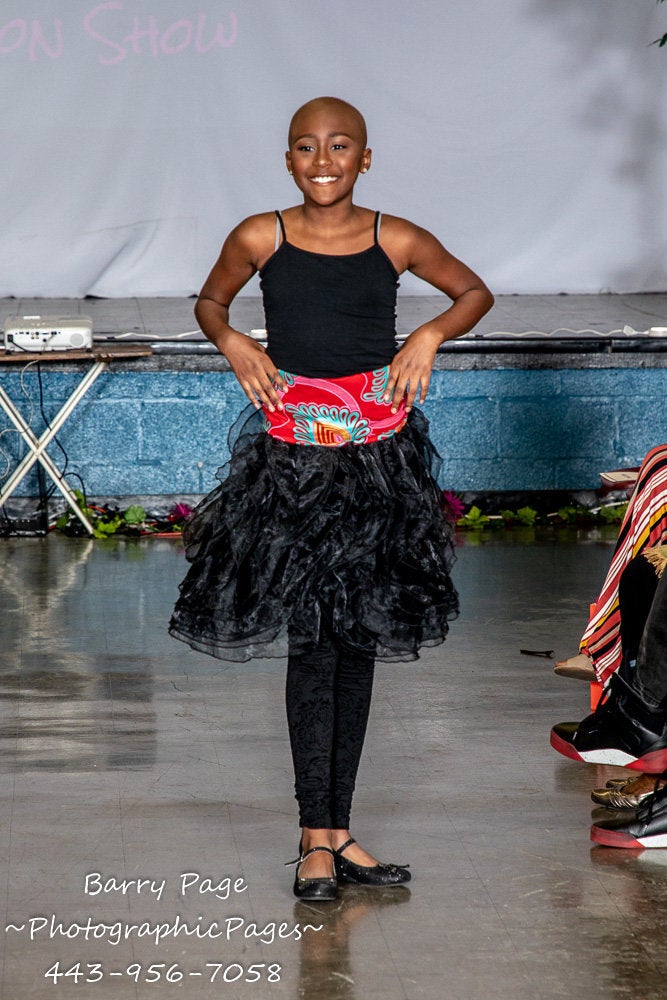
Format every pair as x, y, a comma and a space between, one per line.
331, 228
329, 217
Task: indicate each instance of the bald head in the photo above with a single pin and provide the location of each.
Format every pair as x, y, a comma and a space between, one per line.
350, 120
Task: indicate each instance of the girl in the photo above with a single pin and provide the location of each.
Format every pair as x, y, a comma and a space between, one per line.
326, 539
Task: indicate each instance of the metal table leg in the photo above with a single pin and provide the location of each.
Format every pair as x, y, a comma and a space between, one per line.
37, 446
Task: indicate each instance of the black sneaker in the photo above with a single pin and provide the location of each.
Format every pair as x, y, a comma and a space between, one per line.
624, 730
647, 828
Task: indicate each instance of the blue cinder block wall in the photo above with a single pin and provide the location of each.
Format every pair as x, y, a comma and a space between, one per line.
544, 430
151, 429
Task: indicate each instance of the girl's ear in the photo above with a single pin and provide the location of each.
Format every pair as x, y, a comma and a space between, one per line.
366, 161
288, 161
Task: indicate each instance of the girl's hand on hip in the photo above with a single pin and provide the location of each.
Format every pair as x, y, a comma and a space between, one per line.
410, 371
256, 373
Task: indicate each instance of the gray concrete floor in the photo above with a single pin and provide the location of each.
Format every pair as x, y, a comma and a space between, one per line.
124, 753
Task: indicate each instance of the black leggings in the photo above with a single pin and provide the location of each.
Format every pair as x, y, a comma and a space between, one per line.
328, 697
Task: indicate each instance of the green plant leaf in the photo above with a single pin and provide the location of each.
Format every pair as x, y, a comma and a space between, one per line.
527, 516
107, 527
134, 514
612, 515
473, 519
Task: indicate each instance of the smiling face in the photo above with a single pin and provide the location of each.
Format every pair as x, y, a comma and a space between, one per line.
327, 149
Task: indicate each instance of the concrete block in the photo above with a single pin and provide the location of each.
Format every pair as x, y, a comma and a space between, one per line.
144, 480
498, 383
153, 385
103, 430
595, 382
127, 478
464, 427
460, 474
581, 473
556, 428
621, 383
642, 424
180, 431
529, 472
163, 385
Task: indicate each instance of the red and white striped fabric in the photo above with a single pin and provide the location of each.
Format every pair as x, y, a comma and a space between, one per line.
644, 525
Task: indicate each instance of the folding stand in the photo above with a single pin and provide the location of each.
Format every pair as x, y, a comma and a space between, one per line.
37, 446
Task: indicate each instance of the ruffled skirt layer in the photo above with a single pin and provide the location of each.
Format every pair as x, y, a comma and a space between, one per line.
298, 537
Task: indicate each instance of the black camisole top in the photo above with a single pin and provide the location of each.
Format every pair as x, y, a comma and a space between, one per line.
329, 315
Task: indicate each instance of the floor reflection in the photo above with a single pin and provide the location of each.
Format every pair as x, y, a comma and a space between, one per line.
69, 720
66, 708
326, 967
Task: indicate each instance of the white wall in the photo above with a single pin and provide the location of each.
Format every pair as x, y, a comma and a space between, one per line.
530, 135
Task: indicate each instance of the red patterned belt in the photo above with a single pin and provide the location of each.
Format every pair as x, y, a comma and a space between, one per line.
337, 411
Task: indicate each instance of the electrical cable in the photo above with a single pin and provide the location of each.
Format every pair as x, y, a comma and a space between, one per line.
14, 430
626, 331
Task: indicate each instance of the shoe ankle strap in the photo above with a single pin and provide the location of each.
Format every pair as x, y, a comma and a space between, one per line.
313, 849
304, 855
339, 850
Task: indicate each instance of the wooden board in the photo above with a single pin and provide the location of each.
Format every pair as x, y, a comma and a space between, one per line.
99, 352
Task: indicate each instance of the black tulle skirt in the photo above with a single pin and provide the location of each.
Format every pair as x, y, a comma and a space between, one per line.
298, 537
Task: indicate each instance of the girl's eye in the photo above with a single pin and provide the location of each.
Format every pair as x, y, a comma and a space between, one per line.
305, 149
338, 145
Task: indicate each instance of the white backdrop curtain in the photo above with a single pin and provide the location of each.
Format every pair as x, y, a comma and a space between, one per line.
529, 135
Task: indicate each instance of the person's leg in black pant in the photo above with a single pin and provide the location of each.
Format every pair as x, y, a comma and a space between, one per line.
311, 713
328, 695
353, 691
636, 590
651, 669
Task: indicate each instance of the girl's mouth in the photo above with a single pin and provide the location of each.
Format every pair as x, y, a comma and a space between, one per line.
326, 179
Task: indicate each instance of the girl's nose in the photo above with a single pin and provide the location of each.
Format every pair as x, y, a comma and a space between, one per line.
323, 155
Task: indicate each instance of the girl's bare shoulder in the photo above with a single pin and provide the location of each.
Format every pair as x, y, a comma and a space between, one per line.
254, 234
400, 229
403, 240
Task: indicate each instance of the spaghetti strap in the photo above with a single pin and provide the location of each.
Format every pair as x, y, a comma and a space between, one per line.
280, 229
376, 227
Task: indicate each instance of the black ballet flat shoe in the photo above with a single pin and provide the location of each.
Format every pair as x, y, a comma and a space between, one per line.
371, 875
314, 888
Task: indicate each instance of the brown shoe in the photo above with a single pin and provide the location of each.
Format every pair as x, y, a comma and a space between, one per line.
579, 667
620, 782
631, 794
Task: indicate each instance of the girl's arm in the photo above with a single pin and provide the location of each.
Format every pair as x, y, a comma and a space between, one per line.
241, 256
414, 249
